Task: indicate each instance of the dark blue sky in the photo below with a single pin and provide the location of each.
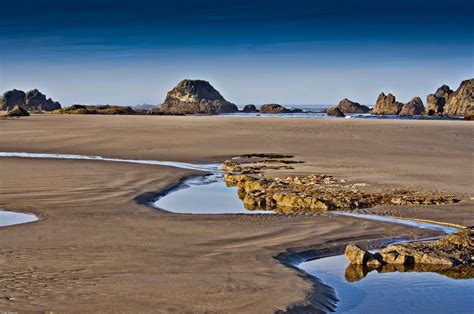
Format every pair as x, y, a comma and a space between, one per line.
129, 52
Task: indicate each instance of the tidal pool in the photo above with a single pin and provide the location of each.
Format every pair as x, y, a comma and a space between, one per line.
208, 195
8, 218
402, 290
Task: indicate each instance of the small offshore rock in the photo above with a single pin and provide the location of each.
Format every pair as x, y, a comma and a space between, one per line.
17, 111
335, 112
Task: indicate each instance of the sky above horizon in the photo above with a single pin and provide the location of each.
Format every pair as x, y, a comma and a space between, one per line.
252, 51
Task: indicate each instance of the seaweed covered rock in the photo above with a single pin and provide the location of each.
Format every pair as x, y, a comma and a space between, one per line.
348, 106
387, 105
196, 97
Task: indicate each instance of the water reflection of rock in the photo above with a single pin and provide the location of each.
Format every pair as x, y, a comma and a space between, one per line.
358, 272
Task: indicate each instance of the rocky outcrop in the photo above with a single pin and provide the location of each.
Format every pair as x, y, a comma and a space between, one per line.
196, 97
358, 256
17, 111
12, 98
413, 108
250, 109
100, 109
435, 102
461, 102
313, 193
348, 106
452, 250
387, 105
33, 100
273, 108
335, 112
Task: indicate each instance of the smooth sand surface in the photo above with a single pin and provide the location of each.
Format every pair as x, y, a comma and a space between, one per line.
97, 249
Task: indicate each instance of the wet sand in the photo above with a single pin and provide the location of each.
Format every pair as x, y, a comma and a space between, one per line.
97, 249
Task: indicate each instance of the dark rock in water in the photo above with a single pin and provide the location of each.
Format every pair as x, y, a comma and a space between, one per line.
32, 100
461, 102
387, 105
250, 108
296, 110
413, 108
348, 106
99, 109
196, 97
12, 98
35, 100
435, 102
17, 111
469, 116
335, 112
273, 108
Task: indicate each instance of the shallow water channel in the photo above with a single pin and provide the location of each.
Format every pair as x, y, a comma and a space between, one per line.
389, 290
8, 218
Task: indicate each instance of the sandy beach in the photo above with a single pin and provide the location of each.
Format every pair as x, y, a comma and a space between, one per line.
97, 249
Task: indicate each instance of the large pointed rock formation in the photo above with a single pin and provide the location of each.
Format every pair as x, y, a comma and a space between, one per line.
387, 105
196, 97
435, 102
461, 102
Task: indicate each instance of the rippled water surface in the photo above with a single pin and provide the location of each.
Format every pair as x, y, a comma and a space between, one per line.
393, 292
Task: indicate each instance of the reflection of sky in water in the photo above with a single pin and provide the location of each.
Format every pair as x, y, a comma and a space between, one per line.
409, 292
11, 218
198, 198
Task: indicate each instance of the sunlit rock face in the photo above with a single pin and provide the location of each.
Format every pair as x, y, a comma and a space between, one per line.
196, 97
435, 102
387, 105
461, 102
414, 107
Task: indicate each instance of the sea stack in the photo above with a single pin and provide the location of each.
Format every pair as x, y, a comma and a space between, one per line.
414, 107
461, 102
32, 100
196, 97
435, 102
348, 106
387, 105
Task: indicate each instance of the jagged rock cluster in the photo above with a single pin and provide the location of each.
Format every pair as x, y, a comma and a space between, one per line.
196, 97
318, 192
451, 251
461, 102
99, 109
32, 100
387, 105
